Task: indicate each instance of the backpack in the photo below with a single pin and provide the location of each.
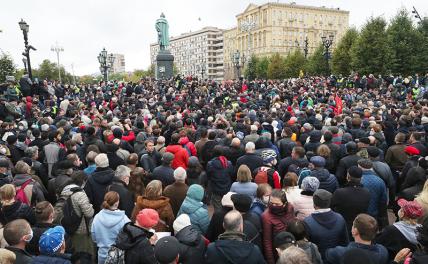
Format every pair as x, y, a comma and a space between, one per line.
70, 220
20, 192
303, 173
115, 255
187, 149
265, 176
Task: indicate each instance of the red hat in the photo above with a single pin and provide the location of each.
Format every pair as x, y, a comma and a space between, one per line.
412, 150
147, 218
410, 209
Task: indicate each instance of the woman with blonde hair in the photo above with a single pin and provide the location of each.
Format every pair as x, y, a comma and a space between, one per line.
7, 256
12, 209
422, 199
153, 199
325, 152
244, 184
107, 224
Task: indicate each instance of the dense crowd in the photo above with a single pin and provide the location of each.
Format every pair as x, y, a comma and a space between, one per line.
306, 170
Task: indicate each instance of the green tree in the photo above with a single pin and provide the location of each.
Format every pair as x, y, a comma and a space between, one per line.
262, 68
251, 70
87, 79
371, 52
341, 60
47, 70
294, 63
7, 68
151, 70
421, 64
317, 64
175, 70
276, 68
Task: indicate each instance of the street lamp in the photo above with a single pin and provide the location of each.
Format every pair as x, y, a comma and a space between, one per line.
416, 13
306, 49
203, 69
24, 60
57, 48
327, 43
236, 62
106, 63
25, 29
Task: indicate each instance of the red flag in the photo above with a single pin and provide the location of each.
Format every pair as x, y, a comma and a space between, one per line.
339, 105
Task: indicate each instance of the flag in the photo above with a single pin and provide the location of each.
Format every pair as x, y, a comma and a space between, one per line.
339, 105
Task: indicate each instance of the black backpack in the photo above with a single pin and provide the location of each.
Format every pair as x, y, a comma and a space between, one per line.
70, 220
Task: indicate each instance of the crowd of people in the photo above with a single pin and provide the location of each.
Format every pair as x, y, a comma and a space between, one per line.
304, 170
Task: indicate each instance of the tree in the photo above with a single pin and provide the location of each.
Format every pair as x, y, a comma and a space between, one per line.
7, 68
47, 70
341, 61
151, 70
276, 68
262, 68
371, 52
422, 39
317, 64
294, 63
87, 79
251, 70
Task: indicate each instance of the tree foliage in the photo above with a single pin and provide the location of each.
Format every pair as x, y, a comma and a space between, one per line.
317, 64
276, 68
294, 63
341, 61
251, 70
7, 68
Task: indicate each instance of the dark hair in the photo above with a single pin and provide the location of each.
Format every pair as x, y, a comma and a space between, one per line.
279, 194
212, 135
300, 151
218, 151
36, 132
132, 159
204, 132
53, 135
78, 177
297, 228
366, 226
90, 131
42, 211
328, 136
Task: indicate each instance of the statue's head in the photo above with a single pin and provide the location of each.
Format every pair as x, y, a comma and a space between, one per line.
162, 15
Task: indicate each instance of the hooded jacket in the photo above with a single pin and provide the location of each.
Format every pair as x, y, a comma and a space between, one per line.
192, 245
328, 181
232, 248
17, 210
105, 228
181, 157
377, 253
326, 230
135, 242
162, 206
196, 210
96, 186
220, 173
184, 141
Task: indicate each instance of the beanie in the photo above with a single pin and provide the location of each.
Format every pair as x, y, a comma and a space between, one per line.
166, 250
241, 202
310, 184
181, 222
101, 160
147, 218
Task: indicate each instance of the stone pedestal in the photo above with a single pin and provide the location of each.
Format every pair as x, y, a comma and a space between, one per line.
164, 65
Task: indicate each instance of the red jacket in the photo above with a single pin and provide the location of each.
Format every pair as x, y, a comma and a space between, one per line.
129, 138
272, 225
185, 141
181, 158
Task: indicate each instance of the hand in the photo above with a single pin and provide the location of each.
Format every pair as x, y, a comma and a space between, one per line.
153, 239
402, 255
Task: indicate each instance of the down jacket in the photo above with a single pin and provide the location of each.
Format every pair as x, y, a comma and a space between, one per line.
197, 211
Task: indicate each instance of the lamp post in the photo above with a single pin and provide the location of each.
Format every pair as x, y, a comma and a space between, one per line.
25, 28
327, 43
203, 69
306, 49
236, 63
57, 48
24, 60
106, 63
416, 13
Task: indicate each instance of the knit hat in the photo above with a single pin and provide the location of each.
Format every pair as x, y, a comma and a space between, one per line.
181, 222
196, 192
364, 140
167, 157
412, 151
268, 155
226, 201
180, 174
322, 198
283, 238
241, 202
355, 172
410, 209
101, 160
318, 161
51, 240
310, 184
166, 250
147, 218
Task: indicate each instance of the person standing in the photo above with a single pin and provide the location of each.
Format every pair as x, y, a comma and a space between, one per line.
177, 191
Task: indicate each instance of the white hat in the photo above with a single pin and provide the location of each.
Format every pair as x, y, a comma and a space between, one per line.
101, 161
181, 222
253, 128
227, 200
44, 128
180, 174
424, 120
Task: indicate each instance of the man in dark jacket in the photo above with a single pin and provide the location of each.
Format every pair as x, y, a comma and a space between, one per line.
52, 247
17, 234
5, 176
113, 159
207, 149
192, 244
136, 239
164, 172
297, 158
234, 151
219, 173
286, 145
348, 161
325, 228
251, 159
415, 141
327, 181
97, 183
120, 185
232, 244
15, 153
353, 199
149, 157
364, 231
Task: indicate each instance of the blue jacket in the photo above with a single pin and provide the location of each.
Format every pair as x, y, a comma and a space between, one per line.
377, 189
258, 207
326, 230
377, 252
248, 188
196, 210
328, 181
52, 259
105, 228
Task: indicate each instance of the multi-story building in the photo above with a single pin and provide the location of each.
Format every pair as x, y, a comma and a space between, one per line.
196, 53
281, 28
119, 63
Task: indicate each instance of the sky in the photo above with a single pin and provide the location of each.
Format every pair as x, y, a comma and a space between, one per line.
84, 27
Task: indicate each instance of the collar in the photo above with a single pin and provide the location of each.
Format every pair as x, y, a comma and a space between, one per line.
320, 211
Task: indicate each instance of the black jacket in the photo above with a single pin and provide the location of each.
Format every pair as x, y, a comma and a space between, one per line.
344, 164
38, 229
216, 224
114, 161
22, 256
17, 210
135, 241
285, 147
252, 160
126, 201
96, 186
393, 240
192, 245
220, 175
149, 161
163, 173
231, 248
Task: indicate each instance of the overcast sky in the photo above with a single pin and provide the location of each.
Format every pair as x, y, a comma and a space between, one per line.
83, 28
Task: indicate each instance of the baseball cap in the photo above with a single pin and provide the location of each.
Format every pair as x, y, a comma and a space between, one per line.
51, 240
166, 249
283, 238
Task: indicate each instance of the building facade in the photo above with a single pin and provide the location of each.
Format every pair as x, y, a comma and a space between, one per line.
280, 28
198, 54
119, 63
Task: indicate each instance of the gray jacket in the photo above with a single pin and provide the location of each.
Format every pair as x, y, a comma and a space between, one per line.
384, 172
81, 206
51, 151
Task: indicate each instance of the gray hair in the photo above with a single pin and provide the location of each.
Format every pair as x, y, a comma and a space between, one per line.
233, 221
30, 151
250, 146
293, 255
122, 171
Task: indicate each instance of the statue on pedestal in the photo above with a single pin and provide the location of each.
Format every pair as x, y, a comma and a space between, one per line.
162, 29
164, 59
